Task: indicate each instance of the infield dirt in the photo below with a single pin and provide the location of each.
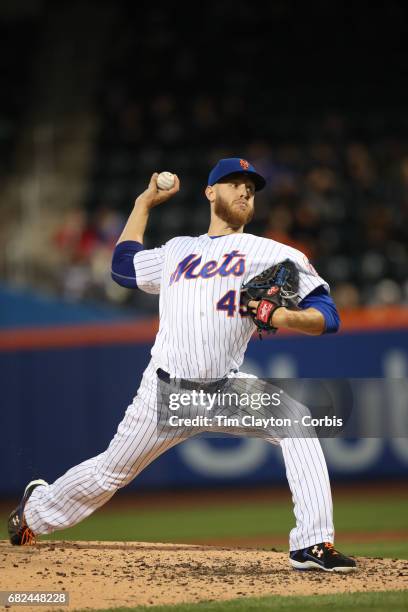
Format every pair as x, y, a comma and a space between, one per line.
113, 574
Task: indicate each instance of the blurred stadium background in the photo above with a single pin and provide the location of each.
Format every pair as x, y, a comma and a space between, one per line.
96, 96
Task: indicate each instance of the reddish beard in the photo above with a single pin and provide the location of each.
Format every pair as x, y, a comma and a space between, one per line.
234, 216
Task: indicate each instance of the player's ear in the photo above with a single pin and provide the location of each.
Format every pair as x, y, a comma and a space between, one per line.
210, 193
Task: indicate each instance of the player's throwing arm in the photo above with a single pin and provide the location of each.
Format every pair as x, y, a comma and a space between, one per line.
156, 193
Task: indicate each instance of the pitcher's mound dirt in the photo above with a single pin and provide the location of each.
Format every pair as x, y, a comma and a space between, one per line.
113, 574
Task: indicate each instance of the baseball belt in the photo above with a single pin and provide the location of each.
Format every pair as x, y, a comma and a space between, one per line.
208, 387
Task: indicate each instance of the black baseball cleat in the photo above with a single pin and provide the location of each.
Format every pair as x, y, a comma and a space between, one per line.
321, 556
19, 532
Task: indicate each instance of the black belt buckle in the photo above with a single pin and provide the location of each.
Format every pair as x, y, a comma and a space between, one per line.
164, 376
191, 386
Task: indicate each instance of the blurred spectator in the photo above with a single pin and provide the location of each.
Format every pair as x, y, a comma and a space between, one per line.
337, 181
73, 238
346, 295
386, 293
280, 229
85, 246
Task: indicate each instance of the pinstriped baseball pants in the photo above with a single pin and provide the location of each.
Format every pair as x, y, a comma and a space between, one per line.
137, 442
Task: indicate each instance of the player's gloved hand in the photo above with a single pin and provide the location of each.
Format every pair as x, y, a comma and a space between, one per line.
153, 196
276, 287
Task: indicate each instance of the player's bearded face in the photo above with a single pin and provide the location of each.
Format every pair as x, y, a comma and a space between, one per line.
236, 211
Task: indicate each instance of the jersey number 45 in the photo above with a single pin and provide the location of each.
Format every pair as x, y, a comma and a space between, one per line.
228, 302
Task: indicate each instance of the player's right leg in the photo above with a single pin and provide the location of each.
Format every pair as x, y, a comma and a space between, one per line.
311, 540
89, 485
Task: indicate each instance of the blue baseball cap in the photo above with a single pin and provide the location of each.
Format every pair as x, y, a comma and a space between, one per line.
235, 165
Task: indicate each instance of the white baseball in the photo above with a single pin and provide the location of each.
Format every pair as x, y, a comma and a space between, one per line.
165, 180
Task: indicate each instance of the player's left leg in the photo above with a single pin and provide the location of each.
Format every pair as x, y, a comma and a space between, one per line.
86, 487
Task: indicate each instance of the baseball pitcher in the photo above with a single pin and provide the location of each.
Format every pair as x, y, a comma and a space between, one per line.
215, 291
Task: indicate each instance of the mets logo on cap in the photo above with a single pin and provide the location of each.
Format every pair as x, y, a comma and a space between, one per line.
244, 164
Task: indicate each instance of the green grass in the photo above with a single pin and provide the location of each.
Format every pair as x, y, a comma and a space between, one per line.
245, 520
391, 550
397, 601
167, 524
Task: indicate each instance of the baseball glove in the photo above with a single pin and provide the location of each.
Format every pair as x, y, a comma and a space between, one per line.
273, 288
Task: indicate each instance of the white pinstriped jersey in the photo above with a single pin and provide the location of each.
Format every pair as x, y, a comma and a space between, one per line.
202, 333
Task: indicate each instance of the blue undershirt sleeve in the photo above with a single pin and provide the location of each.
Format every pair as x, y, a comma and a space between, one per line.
321, 300
123, 270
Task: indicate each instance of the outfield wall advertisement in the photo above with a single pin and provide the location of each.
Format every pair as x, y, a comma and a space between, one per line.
62, 405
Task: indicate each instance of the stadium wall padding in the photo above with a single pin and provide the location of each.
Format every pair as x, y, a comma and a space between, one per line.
60, 406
